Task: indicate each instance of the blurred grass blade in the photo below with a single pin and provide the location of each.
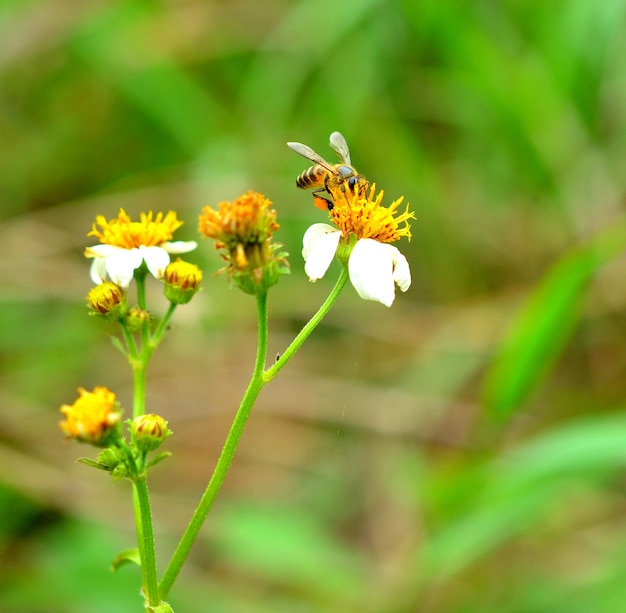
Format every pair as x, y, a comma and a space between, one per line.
542, 328
119, 44
522, 486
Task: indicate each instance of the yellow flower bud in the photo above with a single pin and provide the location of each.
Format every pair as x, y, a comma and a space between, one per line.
182, 281
149, 431
107, 299
137, 318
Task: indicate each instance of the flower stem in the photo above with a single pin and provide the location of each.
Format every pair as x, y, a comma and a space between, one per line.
131, 346
297, 342
260, 377
140, 369
140, 358
145, 540
160, 329
225, 459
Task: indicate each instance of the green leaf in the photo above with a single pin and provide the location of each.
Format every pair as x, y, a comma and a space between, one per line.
159, 458
542, 328
117, 343
94, 464
128, 556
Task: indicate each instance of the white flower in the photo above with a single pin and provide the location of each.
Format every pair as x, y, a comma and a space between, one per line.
374, 267
118, 264
126, 244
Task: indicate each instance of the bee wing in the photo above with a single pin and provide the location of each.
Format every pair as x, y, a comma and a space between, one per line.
340, 146
310, 155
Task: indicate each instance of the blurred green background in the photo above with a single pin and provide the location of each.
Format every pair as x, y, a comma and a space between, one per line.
463, 451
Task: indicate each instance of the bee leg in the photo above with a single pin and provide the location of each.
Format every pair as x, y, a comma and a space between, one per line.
322, 202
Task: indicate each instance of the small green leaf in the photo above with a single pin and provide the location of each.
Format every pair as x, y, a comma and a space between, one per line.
128, 556
94, 464
117, 343
159, 458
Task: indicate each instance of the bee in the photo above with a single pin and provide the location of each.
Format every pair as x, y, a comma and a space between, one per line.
324, 178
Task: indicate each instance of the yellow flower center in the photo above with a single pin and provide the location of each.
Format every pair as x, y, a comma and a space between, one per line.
123, 232
364, 216
91, 416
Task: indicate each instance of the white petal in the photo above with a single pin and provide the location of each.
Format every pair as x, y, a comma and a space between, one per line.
98, 271
102, 251
401, 270
121, 265
156, 260
371, 271
179, 246
312, 234
319, 246
374, 268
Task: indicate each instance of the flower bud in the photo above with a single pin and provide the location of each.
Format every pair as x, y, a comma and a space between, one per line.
137, 318
149, 431
108, 300
94, 418
182, 281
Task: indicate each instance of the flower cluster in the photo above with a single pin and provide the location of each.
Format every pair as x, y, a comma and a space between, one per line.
243, 231
362, 231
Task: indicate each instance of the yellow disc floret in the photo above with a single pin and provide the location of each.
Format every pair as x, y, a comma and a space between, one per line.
364, 216
149, 231
243, 230
247, 220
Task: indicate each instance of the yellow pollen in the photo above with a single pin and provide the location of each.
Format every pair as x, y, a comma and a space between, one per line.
366, 217
122, 232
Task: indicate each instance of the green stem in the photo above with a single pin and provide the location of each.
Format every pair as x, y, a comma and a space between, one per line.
145, 540
140, 370
141, 497
225, 459
160, 329
140, 280
297, 342
260, 377
131, 345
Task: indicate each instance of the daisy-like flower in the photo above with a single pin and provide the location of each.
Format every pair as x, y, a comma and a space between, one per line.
363, 230
126, 244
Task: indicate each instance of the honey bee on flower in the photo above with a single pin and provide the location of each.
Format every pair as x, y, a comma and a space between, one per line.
362, 232
325, 178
